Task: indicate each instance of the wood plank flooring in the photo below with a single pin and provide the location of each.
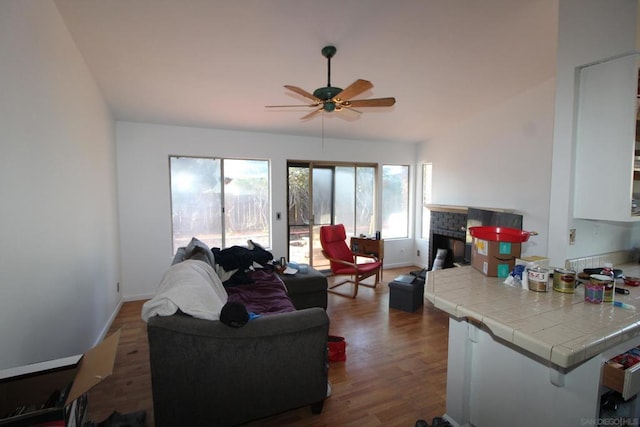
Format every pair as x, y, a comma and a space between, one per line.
395, 372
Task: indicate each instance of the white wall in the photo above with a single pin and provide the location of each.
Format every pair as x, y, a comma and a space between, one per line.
519, 155
589, 30
144, 194
500, 158
58, 218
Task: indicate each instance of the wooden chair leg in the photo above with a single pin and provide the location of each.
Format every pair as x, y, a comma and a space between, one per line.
352, 295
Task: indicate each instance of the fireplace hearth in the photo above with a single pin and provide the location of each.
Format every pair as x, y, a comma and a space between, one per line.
448, 230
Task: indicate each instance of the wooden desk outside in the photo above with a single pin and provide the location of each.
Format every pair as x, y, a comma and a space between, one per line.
367, 247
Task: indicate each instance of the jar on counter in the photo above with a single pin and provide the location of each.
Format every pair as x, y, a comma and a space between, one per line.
564, 280
594, 289
538, 279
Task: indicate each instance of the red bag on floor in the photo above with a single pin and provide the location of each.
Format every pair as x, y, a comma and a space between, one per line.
337, 349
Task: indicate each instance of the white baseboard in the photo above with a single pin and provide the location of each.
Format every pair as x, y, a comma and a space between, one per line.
105, 329
139, 297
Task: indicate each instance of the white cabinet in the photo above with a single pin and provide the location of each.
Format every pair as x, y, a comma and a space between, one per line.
605, 140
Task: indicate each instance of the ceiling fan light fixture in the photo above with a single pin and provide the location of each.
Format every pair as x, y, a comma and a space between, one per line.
329, 106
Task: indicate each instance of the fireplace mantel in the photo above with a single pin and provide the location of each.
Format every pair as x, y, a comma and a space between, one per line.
448, 208
462, 209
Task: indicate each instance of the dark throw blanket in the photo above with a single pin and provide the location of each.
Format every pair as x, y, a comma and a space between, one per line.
241, 259
265, 295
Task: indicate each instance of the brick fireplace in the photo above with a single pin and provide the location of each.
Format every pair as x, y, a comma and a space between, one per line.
448, 230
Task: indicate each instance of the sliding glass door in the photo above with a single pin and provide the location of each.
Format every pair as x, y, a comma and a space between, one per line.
324, 194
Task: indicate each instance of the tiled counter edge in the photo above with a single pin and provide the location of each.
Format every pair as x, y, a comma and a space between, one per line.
559, 328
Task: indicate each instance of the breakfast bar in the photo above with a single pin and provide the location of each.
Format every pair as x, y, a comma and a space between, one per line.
519, 357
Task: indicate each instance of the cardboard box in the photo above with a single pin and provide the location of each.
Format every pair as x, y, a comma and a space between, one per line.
540, 261
35, 387
494, 259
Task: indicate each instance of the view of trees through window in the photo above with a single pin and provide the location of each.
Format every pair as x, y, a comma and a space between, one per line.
223, 202
395, 201
323, 194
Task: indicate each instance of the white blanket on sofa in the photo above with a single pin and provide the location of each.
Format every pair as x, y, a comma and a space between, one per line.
191, 286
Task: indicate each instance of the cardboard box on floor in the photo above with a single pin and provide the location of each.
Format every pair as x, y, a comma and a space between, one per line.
494, 259
31, 386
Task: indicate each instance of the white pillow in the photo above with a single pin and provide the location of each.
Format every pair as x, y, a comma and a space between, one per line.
191, 286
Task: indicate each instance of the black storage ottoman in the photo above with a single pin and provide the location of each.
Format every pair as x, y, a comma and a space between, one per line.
307, 289
406, 293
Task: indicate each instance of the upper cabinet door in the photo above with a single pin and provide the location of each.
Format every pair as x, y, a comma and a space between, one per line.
605, 140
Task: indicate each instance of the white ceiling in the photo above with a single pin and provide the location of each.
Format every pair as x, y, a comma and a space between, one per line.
217, 63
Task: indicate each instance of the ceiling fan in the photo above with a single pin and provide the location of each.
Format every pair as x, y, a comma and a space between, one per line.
332, 98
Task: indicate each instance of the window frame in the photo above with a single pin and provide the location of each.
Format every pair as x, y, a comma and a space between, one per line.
427, 198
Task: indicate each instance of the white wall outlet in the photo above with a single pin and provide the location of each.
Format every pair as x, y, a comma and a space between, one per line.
572, 236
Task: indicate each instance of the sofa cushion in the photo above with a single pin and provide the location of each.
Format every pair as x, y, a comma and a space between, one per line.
191, 286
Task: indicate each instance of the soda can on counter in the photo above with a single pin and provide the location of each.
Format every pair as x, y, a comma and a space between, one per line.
564, 280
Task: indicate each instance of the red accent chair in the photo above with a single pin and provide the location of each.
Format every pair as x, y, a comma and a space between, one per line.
343, 262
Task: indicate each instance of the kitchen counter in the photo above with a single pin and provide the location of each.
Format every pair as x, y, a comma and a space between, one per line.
561, 328
512, 350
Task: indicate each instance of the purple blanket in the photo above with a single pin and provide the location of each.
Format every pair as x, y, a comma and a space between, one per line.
266, 295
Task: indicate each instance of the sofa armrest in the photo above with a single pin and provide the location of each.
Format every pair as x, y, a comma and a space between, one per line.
204, 371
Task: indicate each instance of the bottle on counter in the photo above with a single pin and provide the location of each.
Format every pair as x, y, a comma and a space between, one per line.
609, 290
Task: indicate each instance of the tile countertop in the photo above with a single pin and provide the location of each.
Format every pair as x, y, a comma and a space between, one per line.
558, 327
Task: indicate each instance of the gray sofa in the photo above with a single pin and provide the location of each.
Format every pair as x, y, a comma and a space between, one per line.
205, 373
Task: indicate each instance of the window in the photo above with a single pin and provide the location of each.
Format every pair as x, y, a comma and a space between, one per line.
395, 201
223, 202
427, 185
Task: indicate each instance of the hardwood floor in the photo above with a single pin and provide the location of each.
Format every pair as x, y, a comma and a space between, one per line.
395, 372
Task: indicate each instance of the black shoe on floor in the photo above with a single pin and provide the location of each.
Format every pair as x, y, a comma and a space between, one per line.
421, 423
440, 422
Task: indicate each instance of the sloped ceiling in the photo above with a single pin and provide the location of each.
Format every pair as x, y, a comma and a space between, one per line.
216, 64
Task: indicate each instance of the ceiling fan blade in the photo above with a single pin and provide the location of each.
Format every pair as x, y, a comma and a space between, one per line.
349, 110
375, 102
354, 89
303, 93
311, 114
